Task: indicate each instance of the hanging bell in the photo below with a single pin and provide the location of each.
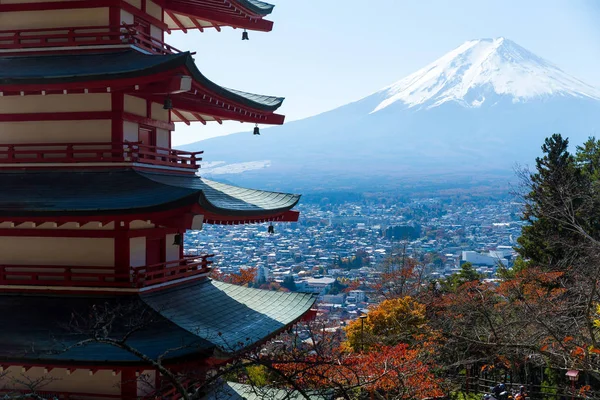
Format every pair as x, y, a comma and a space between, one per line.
168, 104
271, 229
245, 35
256, 130
177, 239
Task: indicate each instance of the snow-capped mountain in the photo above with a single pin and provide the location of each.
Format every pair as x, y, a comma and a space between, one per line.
482, 107
479, 68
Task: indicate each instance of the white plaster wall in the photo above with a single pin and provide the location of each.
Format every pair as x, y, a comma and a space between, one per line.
135, 105
55, 103
156, 32
126, 17
130, 131
159, 113
137, 251
162, 138
135, 3
154, 9
79, 381
54, 18
97, 252
55, 131
172, 251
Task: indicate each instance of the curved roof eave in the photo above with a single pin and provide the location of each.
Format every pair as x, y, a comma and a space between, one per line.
252, 100
173, 318
73, 68
128, 191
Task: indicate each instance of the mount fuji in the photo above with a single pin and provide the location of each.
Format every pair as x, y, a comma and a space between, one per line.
474, 112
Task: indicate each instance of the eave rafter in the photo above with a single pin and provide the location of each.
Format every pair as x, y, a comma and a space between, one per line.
197, 106
217, 13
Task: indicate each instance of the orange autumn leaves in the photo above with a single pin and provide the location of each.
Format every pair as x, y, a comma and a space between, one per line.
245, 276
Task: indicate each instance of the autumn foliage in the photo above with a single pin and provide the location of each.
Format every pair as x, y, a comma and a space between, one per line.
399, 371
245, 277
393, 321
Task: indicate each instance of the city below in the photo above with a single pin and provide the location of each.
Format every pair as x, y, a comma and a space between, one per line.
339, 250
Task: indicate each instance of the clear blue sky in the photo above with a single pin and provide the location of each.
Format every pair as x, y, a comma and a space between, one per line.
325, 53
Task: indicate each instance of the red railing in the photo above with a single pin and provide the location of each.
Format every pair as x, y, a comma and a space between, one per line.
83, 36
98, 152
139, 277
171, 270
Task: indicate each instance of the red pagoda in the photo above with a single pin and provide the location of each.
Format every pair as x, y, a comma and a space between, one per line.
95, 202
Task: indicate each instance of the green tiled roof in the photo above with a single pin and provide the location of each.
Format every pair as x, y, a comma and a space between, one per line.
127, 191
118, 65
238, 391
237, 316
196, 318
259, 7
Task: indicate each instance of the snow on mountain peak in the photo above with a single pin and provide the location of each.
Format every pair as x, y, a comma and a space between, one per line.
480, 68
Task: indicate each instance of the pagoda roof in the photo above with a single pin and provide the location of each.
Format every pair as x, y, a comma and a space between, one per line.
203, 318
121, 65
239, 391
129, 191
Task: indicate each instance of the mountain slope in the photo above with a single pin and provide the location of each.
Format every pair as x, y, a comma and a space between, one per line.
480, 108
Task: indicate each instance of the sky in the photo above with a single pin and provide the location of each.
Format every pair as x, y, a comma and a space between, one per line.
323, 54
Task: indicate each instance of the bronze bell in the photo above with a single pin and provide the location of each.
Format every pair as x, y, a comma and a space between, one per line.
256, 130
245, 35
177, 239
271, 229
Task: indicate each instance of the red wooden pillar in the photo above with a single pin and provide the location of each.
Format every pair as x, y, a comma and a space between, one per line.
128, 384
122, 252
181, 245
118, 107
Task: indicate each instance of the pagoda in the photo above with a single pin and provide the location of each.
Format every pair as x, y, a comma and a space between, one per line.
95, 202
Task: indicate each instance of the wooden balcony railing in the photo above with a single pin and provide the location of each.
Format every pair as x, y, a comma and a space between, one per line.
171, 270
83, 36
138, 277
98, 152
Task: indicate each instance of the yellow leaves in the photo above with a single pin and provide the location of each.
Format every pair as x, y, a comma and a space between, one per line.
594, 350
390, 322
597, 321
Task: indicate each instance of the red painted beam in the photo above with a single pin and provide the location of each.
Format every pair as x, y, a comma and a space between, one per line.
169, 126
173, 85
197, 24
115, 85
176, 20
58, 5
107, 218
181, 117
199, 118
117, 105
220, 113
